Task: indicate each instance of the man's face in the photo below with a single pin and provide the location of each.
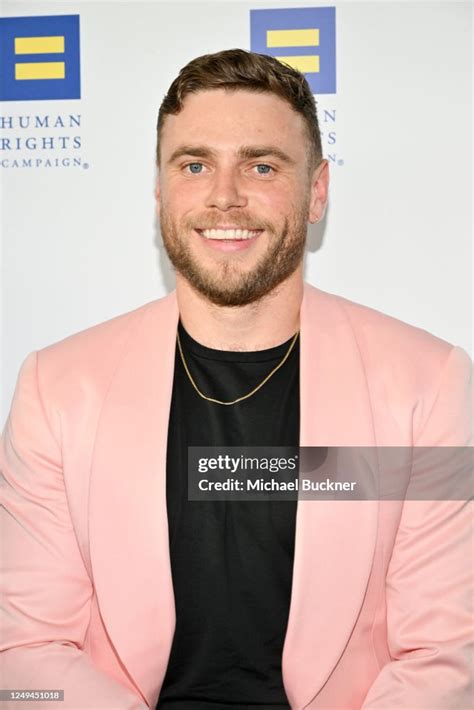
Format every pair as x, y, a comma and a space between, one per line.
235, 193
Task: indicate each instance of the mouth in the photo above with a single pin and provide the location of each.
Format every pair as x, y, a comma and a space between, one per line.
229, 240
229, 234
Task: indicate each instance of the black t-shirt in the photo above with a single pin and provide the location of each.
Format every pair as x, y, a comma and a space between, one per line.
231, 561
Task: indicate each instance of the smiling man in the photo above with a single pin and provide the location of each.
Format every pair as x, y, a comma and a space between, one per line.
124, 593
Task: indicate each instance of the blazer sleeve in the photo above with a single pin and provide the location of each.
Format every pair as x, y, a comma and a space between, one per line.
429, 580
45, 588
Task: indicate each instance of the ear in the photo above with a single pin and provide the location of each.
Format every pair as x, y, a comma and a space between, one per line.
319, 192
158, 193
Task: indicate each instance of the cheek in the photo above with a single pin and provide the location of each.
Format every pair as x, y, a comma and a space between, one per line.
181, 199
170, 206
276, 204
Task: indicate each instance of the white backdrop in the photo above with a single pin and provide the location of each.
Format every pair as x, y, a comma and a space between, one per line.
80, 243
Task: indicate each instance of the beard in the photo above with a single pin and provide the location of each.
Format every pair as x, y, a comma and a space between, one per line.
227, 283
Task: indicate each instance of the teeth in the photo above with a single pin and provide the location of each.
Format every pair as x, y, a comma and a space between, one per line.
229, 233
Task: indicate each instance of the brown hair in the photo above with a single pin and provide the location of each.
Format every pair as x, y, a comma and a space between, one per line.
235, 69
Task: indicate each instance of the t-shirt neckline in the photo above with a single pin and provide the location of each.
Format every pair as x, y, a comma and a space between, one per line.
191, 346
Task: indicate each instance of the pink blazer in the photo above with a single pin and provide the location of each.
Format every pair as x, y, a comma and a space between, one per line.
379, 614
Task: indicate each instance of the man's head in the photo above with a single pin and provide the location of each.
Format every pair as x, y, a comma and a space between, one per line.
238, 148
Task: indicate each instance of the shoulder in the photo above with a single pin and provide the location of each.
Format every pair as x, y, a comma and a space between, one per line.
95, 352
408, 370
374, 331
394, 354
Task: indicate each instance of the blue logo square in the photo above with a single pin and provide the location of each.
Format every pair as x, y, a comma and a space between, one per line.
305, 38
40, 58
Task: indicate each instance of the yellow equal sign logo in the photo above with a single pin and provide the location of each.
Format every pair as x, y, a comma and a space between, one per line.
39, 70
304, 63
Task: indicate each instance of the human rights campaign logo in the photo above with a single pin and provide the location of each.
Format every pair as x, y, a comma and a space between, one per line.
304, 38
39, 58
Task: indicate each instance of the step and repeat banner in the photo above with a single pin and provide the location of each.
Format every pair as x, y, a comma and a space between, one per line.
80, 87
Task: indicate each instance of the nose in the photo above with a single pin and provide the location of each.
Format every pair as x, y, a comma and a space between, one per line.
226, 190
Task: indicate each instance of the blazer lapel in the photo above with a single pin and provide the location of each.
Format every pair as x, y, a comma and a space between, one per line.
128, 518
335, 540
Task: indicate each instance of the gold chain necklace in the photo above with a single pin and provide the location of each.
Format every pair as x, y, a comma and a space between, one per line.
246, 396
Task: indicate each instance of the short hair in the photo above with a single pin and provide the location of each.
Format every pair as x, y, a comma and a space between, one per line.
235, 69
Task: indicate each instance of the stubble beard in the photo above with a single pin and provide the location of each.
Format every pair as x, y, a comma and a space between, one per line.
227, 284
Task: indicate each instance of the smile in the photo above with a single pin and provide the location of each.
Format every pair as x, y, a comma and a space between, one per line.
229, 234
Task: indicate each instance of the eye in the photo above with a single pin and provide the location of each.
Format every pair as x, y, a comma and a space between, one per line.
194, 168
263, 169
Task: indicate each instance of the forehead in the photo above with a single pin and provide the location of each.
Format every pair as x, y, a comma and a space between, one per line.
226, 119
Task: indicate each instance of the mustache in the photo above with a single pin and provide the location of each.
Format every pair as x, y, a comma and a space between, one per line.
240, 221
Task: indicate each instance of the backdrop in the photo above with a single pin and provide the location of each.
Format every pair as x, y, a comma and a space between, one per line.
81, 83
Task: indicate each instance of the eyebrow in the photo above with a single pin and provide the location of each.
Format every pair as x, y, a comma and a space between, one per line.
245, 153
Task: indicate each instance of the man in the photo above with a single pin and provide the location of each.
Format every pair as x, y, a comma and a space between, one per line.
124, 593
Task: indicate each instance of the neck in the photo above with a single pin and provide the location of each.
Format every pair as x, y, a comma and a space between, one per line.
269, 322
